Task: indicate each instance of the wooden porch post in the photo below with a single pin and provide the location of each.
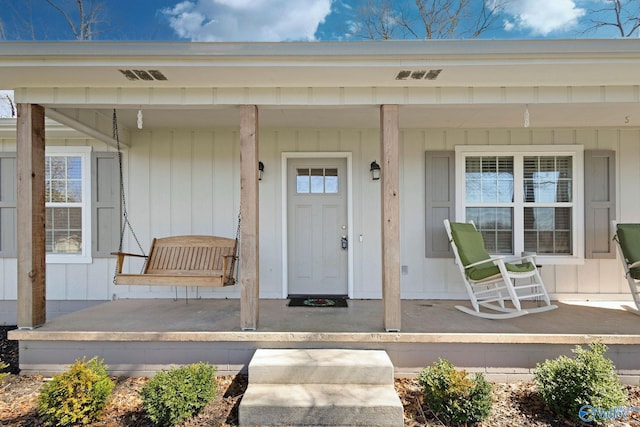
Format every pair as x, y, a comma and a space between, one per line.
31, 217
390, 158
249, 240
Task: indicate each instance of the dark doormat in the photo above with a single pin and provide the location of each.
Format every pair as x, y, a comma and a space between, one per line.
318, 302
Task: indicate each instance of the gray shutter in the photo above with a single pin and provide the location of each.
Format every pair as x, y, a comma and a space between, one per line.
105, 204
8, 202
600, 202
440, 201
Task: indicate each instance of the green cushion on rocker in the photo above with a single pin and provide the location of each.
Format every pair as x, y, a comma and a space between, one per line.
481, 272
629, 238
471, 249
470, 246
462, 226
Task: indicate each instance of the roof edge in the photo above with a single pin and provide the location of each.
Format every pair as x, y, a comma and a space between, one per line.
391, 48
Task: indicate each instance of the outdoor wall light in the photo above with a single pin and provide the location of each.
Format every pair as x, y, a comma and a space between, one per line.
375, 171
260, 170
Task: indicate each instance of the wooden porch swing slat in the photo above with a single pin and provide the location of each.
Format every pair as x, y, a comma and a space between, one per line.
184, 261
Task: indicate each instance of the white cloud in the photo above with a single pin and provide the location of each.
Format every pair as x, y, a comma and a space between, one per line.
248, 20
542, 16
508, 25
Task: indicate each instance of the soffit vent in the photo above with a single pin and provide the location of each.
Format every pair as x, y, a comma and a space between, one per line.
147, 75
418, 74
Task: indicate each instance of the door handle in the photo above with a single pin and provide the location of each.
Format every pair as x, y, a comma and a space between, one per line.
344, 242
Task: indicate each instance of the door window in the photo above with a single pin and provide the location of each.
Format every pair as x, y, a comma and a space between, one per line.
317, 181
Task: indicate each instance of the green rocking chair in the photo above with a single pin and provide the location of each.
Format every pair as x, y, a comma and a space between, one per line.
627, 238
492, 283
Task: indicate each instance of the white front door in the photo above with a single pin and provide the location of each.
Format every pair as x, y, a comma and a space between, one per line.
317, 226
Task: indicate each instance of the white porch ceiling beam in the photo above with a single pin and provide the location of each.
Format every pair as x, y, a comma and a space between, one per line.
96, 130
205, 97
55, 130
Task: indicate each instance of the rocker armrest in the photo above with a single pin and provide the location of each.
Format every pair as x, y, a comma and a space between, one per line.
499, 259
521, 258
634, 265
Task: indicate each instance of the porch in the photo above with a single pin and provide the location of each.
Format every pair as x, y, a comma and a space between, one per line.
138, 337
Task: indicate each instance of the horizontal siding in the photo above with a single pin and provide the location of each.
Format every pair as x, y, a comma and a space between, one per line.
183, 182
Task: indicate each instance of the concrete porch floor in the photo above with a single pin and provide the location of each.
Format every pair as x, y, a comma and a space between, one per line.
126, 333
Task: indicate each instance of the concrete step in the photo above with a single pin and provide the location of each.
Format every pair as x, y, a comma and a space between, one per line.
322, 387
320, 405
320, 366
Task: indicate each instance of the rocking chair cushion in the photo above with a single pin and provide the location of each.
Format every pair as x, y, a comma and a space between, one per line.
482, 272
470, 246
471, 250
628, 236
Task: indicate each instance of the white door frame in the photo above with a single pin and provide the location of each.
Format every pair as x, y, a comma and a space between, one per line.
285, 197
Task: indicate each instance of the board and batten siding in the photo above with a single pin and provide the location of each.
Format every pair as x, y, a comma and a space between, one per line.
65, 282
596, 278
187, 182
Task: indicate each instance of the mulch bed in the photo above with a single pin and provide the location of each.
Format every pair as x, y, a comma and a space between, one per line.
513, 404
9, 350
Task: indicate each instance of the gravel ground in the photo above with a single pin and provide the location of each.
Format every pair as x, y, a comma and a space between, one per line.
513, 404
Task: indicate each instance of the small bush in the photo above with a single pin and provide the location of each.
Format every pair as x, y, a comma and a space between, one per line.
76, 396
455, 396
173, 396
3, 366
566, 385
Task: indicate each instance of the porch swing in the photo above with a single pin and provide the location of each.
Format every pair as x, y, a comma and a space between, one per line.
188, 260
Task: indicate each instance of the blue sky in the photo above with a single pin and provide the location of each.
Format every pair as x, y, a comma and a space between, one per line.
275, 20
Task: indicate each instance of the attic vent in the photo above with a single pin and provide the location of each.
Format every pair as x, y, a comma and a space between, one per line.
148, 75
418, 74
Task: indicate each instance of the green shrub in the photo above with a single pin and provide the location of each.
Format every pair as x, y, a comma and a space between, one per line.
455, 396
3, 366
172, 396
567, 384
76, 396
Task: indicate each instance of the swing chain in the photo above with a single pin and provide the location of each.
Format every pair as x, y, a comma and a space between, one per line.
237, 254
125, 215
238, 230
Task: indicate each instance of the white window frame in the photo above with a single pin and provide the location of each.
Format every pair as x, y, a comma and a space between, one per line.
519, 152
85, 154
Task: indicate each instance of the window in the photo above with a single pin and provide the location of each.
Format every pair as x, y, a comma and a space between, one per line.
523, 199
67, 204
317, 181
100, 227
